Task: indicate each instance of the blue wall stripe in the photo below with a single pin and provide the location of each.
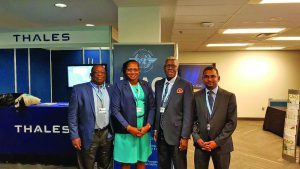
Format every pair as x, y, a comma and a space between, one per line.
7, 71
22, 70
91, 54
40, 74
60, 61
105, 60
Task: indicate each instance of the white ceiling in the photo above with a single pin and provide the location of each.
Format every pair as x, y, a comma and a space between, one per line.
180, 19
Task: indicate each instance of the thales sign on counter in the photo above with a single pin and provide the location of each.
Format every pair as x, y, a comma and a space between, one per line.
42, 129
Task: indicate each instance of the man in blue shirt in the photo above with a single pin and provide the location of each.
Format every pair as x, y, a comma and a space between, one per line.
89, 121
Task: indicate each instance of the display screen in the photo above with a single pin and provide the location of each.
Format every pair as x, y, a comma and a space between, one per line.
79, 74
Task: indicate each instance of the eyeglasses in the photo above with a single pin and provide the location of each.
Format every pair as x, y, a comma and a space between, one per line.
170, 66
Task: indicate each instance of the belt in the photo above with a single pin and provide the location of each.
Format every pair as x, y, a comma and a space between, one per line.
104, 128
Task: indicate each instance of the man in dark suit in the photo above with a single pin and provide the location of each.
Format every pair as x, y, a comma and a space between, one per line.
174, 118
89, 121
216, 119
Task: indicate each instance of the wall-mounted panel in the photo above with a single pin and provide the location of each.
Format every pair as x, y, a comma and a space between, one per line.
7, 71
91, 56
22, 70
60, 60
40, 74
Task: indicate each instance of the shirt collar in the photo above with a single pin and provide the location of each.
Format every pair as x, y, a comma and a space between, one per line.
215, 90
172, 81
96, 86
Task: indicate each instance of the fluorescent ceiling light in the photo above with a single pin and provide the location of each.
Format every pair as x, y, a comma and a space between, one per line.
278, 1
89, 24
285, 38
253, 30
226, 44
60, 5
264, 48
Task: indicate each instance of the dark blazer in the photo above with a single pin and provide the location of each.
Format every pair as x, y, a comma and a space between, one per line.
178, 113
123, 106
222, 123
81, 116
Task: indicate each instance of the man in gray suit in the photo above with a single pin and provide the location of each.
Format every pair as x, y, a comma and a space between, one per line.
216, 119
174, 118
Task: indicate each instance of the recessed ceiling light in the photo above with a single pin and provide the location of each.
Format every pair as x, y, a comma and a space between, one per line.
61, 5
285, 38
88, 24
227, 44
253, 30
264, 48
278, 1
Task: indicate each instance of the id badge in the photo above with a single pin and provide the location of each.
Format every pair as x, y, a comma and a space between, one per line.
208, 127
103, 110
138, 109
162, 110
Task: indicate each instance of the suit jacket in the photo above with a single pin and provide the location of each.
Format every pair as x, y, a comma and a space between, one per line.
222, 122
123, 106
81, 116
178, 115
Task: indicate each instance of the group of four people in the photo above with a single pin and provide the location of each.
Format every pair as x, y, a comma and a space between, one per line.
113, 122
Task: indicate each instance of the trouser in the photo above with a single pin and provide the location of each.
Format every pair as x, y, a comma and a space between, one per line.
100, 151
220, 160
170, 154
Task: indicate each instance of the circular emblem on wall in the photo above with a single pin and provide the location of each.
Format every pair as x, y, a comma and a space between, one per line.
145, 59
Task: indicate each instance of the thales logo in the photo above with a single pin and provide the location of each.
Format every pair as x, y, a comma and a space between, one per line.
42, 129
145, 59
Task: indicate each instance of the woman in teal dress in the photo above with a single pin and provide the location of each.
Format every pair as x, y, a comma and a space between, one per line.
132, 108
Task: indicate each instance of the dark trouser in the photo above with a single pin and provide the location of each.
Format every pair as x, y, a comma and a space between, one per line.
170, 154
220, 160
100, 151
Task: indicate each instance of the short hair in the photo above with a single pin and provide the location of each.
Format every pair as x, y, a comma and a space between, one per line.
125, 65
103, 65
210, 68
172, 58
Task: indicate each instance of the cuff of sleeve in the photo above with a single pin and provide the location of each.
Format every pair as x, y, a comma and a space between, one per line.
196, 137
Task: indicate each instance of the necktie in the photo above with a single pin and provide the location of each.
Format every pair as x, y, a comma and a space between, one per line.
100, 119
163, 104
210, 100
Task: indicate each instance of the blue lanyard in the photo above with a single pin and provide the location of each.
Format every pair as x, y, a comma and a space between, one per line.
165, 94
136, 97
99, 94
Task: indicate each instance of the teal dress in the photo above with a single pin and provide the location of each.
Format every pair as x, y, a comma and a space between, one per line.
129, 148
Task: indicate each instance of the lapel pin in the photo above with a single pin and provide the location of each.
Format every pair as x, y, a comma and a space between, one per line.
179, 90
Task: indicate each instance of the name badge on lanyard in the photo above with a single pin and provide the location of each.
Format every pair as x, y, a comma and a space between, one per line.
103, 110
208, 127
162, 110
138, 109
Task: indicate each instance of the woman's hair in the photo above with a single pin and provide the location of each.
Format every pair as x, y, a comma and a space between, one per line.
125, 65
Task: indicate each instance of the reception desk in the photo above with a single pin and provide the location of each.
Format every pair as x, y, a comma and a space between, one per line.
37, 134
274, 121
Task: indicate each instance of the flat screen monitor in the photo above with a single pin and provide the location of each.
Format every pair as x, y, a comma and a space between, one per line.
78, 74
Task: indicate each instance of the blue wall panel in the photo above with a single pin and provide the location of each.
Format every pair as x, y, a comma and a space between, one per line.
60, 60
105, 60
91, 55
22, 70
7, 71
40, 74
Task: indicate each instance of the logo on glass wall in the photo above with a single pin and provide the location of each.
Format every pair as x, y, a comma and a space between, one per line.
145, 59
